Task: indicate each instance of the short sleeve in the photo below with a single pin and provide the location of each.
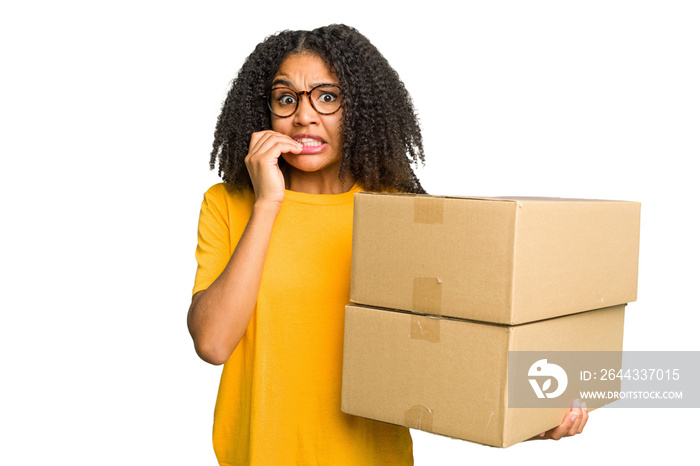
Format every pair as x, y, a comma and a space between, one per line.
213, 239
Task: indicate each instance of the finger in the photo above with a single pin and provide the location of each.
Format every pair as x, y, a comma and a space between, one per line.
576, 411
577, 417
584, 420
275, 144
255, 137
568, 423
261, 137
257, 140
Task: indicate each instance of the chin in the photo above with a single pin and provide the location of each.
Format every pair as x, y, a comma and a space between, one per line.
306, 163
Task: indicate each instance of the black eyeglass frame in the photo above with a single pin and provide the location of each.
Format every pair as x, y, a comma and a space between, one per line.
298, 95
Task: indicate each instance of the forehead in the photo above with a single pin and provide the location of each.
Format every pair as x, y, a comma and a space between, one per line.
303, 71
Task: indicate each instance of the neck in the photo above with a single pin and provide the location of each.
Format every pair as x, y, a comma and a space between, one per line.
316, 183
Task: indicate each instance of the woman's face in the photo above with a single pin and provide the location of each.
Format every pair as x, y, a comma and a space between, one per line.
320, 134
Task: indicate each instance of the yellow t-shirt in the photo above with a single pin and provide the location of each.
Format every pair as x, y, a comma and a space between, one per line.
279, 396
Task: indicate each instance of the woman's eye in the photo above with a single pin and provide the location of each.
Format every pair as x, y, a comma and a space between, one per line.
287, 100
327, 98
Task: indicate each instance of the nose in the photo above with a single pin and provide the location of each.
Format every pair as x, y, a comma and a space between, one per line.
305, 114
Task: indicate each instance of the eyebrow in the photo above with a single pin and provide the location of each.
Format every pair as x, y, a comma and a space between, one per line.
281, 82
284, 82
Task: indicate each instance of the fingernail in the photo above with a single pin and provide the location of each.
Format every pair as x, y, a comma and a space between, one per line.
583, 405
576, 403
542, 434
574, 417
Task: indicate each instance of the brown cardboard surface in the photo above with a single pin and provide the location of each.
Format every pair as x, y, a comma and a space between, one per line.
506, 261
449, 376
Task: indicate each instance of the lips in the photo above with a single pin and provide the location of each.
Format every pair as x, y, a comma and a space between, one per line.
312, 143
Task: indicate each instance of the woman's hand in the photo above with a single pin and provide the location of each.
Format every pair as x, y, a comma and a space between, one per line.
265, 149
573, 423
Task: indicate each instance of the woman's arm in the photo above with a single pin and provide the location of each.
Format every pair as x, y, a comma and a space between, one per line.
218, 316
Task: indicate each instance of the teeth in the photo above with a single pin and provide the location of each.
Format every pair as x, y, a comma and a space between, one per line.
309, 142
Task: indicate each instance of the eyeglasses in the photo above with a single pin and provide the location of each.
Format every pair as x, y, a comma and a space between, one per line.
324, 98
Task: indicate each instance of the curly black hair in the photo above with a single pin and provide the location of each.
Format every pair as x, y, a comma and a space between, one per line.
380, 131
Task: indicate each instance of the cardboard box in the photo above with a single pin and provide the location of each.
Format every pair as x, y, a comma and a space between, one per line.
450, 376
505, 261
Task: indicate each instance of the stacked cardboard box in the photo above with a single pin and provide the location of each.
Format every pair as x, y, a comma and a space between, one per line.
444, 288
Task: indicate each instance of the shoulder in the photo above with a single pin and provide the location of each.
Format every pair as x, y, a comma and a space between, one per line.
223, 193
227, 205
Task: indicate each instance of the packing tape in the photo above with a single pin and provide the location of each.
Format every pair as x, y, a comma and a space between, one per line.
427, 295
425, 328
427, 210
419, 417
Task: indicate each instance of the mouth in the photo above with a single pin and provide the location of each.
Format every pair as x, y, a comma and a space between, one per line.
312, 144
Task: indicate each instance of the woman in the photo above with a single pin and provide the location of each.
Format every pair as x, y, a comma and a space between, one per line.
312, 118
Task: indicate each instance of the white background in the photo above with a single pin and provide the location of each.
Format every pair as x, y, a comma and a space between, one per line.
107, 112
